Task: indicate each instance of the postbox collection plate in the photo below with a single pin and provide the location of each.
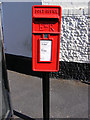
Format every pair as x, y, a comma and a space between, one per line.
45, 50
46, 30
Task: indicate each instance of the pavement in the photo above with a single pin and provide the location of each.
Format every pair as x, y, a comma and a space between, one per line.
68, 98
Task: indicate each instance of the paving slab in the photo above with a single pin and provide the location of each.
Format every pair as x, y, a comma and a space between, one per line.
68, 98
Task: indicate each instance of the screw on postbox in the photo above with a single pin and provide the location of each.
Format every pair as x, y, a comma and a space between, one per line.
46, 30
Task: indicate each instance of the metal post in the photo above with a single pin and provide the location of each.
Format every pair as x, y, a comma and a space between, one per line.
45, 81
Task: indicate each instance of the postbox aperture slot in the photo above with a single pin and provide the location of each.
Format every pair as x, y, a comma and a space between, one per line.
45, 50
45, 25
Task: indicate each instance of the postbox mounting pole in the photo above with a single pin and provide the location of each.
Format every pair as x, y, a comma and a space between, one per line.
45, 81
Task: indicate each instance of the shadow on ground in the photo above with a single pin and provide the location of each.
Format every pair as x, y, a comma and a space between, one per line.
67, 70
21, 65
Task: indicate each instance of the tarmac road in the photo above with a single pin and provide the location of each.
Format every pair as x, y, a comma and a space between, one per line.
68, 98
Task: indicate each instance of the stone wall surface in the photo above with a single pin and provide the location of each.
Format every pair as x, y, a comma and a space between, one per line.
74, 31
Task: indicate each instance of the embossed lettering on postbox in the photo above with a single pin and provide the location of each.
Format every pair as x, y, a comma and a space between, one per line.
54, 12
47, 27
46, 11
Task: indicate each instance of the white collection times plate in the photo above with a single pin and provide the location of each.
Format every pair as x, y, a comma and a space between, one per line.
45, 50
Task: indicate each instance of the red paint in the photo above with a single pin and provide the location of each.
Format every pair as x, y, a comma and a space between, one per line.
46, 19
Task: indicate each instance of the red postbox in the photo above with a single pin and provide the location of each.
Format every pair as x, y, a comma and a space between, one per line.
46, 30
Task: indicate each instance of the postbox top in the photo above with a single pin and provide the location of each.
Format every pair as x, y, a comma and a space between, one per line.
46, 11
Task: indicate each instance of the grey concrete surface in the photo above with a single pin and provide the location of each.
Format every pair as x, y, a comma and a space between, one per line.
68, 98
